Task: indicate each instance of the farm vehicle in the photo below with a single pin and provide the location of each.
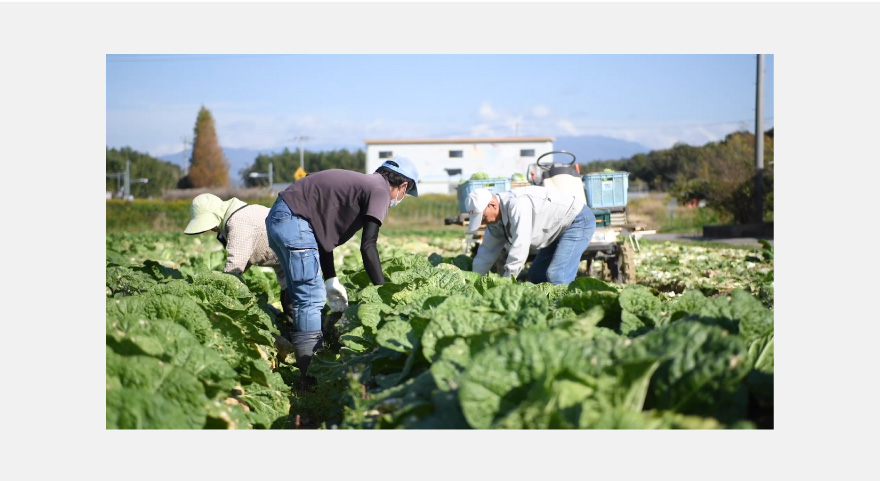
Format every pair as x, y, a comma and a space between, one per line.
614, 240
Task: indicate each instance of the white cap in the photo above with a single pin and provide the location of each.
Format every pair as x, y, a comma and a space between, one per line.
206, 213
476, 203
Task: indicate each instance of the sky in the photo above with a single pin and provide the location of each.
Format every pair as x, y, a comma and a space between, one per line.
267, 102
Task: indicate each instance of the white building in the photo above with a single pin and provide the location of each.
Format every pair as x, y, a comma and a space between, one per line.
442, 163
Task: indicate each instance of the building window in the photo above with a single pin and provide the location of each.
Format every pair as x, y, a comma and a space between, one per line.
527, 152
456, 153
385, 154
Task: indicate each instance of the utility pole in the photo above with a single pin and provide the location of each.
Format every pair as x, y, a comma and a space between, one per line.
759, 142
185, 160
301, 139
125, 178
127, 183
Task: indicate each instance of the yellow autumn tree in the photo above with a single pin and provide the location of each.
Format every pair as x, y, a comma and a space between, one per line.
208, 165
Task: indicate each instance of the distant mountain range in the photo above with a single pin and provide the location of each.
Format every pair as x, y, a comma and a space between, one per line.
586, 148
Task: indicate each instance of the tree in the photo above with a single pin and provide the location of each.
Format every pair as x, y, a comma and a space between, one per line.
208, 165
161, 175
286, 164
723, 175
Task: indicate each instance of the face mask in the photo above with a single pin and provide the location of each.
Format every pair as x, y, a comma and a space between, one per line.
397, 201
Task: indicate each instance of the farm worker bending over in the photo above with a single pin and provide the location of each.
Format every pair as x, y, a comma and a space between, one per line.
318, 213
241, 228
556, 223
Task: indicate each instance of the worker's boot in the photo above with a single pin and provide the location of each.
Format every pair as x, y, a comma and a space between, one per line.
305, 344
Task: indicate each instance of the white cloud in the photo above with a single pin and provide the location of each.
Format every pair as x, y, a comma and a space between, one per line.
161, 129
166, 149
567, 127
487, 112
257, 131
652, 136
540, 111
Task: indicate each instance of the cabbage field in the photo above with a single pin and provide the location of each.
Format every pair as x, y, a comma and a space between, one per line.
689, 346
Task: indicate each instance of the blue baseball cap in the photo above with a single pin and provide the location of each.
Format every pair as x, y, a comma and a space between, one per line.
406, 168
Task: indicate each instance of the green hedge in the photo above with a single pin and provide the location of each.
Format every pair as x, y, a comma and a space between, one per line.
147, 215
426, 209
141, 215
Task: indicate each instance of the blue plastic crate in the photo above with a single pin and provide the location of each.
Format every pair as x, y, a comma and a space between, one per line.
494, 185
606, 189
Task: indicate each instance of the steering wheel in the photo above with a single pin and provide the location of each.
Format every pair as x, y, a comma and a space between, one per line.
551, 161
535, 173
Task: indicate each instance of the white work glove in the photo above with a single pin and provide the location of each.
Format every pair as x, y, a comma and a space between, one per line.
336, 295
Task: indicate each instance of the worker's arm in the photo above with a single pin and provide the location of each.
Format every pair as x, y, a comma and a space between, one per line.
521, 237
369, 252
326, 259
491, 245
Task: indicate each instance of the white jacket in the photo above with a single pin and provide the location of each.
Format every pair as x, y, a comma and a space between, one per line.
531, 216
